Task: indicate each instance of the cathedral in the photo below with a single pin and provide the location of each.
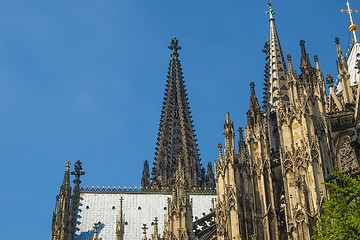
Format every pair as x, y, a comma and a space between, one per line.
267, 184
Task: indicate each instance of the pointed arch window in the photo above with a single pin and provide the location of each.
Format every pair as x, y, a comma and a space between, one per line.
284, 88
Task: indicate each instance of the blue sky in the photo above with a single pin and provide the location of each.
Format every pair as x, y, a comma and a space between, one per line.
86, 79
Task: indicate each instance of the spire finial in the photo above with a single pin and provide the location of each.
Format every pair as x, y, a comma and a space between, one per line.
271, 13
156, 229
353, 27
96, 227
66, 181
291, 69
78, 172
329, 80
305, 61
227, 117
144, 228
252, 86
174, 45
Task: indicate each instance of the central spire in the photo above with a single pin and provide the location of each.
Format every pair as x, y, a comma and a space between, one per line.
176, 142
276, 81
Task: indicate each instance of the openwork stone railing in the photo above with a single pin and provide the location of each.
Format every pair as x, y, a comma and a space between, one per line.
103, 189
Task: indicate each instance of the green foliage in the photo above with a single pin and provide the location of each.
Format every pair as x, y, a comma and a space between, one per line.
341, 217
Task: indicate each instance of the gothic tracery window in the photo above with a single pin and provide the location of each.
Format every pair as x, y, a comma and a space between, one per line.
346, 155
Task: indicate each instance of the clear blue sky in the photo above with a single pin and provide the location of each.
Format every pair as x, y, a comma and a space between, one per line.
85, 79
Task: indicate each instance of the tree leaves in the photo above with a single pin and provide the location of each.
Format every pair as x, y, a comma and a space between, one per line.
341, 212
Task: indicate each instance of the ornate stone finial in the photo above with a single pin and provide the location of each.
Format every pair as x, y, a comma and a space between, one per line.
96, 227
271, 13
302, 43
252, 86
288, 57
156, 229
144, 228
337, 40
66, 181
353, 27
227, 117
329, 80
241, 133
78, 172
316, 58
174, 45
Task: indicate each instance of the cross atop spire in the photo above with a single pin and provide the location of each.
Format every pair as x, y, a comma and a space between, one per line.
271, 12
174, 45
353, 27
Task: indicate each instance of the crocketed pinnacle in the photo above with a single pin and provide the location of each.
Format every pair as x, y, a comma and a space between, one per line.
66, 182
254, 112
176, 141
145, 180
305, 64
242, 147
210, 177
344, 75
276, 69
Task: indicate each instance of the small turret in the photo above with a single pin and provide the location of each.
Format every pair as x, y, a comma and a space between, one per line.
305, 64
344, 76
242, 147
229, 135
210, 178
145, 180
75, 196
61, 216
253, 114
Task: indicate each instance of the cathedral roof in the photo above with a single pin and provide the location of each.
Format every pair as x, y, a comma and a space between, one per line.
138, 208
